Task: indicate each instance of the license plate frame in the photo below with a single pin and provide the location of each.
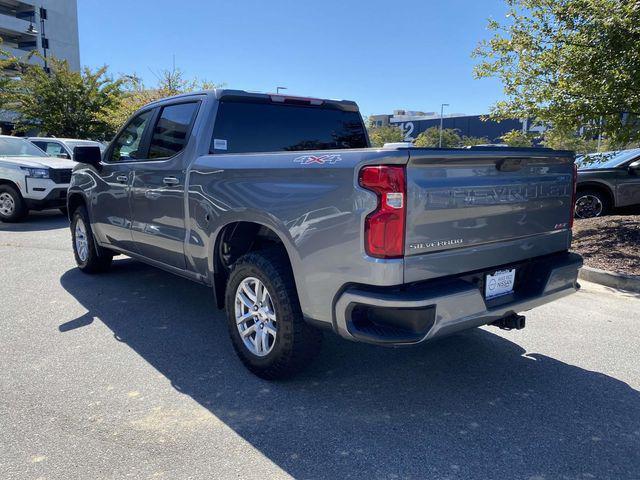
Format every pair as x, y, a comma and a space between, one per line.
499, 283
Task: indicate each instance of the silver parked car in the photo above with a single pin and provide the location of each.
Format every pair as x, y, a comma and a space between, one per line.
279, 204
63, 147
607, 180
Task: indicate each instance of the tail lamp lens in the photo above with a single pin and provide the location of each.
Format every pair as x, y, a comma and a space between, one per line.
385, 226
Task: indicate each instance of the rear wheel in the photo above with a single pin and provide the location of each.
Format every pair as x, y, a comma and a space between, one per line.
264, 317
90, 257
591, 203
12, 205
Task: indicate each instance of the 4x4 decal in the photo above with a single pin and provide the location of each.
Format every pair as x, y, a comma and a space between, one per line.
319, 159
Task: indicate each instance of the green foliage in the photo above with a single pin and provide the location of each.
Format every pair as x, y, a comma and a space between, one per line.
87, 104
431, 138
137, 95
381, 135
10, 68
471, 141
517, 138
569, 63
63, 102
561, 139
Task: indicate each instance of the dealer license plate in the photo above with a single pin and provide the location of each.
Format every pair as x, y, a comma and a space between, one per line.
499, 283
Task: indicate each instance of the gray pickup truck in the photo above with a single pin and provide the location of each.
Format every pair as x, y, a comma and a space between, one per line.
281, 206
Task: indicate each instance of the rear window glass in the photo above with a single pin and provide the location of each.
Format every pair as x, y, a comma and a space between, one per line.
263, 127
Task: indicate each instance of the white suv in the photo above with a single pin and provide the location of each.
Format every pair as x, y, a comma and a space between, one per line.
30, 179
62, 147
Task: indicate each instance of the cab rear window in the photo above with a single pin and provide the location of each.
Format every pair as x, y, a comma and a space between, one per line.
264, 127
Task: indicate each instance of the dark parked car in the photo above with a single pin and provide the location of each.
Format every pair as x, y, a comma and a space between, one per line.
607, 180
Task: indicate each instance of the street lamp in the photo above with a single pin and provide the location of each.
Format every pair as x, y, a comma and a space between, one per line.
441, 113
280, 88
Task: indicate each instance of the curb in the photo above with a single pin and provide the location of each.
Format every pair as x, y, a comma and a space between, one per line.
620, 281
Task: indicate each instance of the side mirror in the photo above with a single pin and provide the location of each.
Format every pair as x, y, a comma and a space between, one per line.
634, 167
88, 155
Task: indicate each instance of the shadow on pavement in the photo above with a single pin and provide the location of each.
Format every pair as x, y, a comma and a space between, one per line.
470, 406
37, 222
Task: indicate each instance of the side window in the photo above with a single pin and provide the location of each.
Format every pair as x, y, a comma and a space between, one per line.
127, 145
54, 149
172, 129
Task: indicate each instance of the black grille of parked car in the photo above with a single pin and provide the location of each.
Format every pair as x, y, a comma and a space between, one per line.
60, 175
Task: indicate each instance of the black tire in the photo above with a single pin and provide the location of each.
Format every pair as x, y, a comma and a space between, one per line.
296, 342
18, 208
591, 203
96, 259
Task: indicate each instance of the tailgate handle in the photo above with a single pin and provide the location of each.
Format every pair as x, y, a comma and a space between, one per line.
511, 164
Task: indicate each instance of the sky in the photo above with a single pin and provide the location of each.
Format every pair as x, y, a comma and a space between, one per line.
385, 55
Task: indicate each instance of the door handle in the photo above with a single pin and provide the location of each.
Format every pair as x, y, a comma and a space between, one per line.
170, 181
122, 179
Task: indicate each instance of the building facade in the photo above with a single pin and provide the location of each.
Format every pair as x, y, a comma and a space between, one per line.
467, 125
49, 27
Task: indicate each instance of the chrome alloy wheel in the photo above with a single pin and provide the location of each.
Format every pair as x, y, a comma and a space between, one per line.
7, 204
588, 206
255, 316
82, 243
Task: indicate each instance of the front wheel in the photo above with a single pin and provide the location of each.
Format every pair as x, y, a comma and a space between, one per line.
264, 317
591, 203
90, 257
12, 205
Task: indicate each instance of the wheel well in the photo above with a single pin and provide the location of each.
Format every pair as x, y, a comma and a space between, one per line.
74, 201
599, 188
11, 184
235, 240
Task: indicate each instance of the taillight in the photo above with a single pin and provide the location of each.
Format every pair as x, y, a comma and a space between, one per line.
573, 196
384, 227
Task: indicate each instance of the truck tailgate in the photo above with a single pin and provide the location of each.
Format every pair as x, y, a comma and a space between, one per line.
474, 201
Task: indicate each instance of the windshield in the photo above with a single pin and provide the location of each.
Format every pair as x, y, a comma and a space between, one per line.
18, 147
607, 159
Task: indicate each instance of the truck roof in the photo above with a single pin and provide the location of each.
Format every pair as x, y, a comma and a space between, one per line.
231, 94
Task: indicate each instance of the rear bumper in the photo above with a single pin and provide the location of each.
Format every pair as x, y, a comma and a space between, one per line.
427, 310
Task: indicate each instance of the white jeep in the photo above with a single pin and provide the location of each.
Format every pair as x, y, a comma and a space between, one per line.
30, 179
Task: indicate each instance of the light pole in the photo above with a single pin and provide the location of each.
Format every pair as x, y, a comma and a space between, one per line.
599, 132
280, 88
441, 113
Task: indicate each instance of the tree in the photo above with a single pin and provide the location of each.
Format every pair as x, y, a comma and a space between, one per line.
517, 138
572, 63
169, 83
471, 141
431, 138
562, 139
381, 135
63, 102
10, 69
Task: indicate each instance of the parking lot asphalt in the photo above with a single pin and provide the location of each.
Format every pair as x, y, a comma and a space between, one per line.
131, 374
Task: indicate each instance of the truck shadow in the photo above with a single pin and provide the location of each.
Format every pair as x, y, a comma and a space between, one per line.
37, 222
470, 406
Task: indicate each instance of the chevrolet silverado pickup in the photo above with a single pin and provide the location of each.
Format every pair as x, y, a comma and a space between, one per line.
282, 207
